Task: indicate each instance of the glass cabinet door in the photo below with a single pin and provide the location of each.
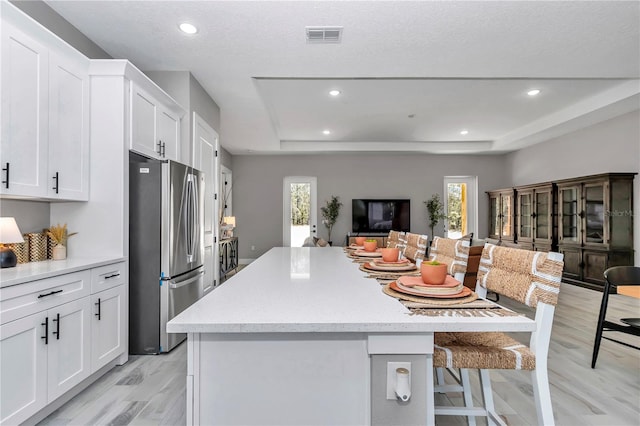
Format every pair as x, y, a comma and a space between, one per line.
542, 212
494, 216
506, 216
525, 215
570, 214
594, 205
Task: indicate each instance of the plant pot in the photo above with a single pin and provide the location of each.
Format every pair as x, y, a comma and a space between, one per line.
433, 274
360, 241
59, 252
370, 245
390, 254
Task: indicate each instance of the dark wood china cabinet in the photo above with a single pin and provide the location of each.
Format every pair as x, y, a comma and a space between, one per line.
588, 219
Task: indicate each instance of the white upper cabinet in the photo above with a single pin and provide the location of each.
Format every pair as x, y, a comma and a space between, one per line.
155, 129
44, 150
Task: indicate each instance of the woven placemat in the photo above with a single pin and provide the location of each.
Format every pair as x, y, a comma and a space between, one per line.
389, 274
434, 302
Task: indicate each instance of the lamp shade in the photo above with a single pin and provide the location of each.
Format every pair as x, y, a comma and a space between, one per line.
9, 231
230, 221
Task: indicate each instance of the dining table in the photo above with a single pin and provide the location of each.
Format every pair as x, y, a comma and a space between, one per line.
302, 336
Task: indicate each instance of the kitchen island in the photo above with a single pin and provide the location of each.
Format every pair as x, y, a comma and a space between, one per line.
302, 337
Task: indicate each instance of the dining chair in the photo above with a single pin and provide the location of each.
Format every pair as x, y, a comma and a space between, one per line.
614, 277
454, 253
396, 239
415, 246
531, 278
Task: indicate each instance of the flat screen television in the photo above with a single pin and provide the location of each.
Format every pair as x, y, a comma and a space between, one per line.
372, 216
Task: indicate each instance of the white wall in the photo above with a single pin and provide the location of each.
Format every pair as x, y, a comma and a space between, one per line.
610, 146
258, 184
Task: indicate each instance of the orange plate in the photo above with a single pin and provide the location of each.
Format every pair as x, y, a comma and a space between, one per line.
390, 268
417, 282
397, 262
363, 253
464, 293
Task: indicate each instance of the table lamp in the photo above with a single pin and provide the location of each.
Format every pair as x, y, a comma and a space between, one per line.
230, 221
9, 234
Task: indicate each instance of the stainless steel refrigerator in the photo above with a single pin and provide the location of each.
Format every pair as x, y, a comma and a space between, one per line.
165, 249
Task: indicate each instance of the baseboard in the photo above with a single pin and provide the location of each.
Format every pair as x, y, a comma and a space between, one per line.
245, 261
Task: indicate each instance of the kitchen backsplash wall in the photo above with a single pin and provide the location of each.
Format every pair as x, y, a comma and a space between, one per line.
31, 216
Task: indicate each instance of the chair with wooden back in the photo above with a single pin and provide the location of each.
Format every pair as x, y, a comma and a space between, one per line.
396, 239
618, 276
531, 278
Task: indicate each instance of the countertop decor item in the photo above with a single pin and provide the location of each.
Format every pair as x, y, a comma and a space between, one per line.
390, 254
330, 214
59, 235
433, 272
9, 234
370, 245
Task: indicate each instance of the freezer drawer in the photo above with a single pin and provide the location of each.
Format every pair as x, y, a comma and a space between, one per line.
181, 293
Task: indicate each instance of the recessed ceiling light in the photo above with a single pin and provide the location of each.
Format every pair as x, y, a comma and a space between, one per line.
464, 132
187, 28
533, 92
326, 132
334, 92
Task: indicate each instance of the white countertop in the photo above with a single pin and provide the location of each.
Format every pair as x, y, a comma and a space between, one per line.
24, 272
311, 289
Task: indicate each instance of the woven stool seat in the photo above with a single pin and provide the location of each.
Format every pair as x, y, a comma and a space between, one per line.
481, 350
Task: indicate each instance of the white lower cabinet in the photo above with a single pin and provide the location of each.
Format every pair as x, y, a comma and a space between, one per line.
68, 357
23, 368
107, 326
46, 352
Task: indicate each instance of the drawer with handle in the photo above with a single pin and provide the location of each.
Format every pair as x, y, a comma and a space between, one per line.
108, 276
21, 300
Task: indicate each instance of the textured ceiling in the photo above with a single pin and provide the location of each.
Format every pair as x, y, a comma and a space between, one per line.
452, 65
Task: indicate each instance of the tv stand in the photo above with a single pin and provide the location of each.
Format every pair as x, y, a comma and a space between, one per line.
380, 237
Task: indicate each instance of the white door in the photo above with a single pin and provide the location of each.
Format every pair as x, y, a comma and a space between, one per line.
107, 326
460, 205
205, 159
69, 357
23, 370
300, 210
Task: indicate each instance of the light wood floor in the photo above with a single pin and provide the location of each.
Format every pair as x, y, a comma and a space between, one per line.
150, 390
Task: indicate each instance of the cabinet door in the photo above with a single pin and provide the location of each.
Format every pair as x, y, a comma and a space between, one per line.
595, 263
23, 378
69, 360
143, 123
494, 216
25, 97
572, 262
595, 205
543, 213
107, 326
506, 217
525, 216
168, 133
68, 128
570, 223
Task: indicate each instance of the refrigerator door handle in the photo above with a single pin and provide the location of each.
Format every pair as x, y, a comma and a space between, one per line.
189, 216
196, 216
187, 282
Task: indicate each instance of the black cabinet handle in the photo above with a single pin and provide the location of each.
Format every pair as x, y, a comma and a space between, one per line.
164, 146
159, 144
6, 182
46, 331
112, 276
55, 186
57, 321
98, 314
49, 294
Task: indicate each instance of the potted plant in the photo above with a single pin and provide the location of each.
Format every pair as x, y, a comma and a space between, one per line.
370, 245
435, 210
59, 235
330, 214
433, 272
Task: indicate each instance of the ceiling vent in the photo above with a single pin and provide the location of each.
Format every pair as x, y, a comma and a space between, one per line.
324, 34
